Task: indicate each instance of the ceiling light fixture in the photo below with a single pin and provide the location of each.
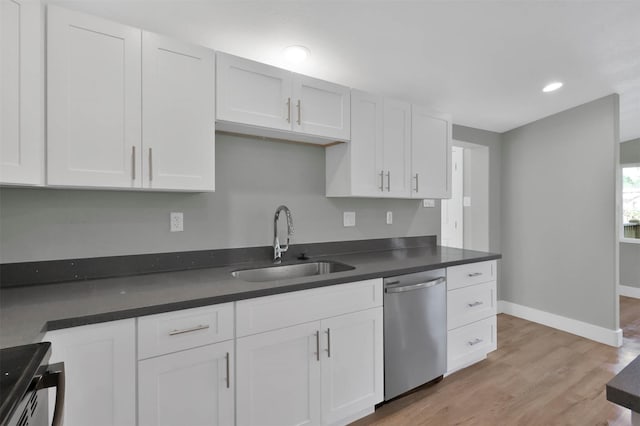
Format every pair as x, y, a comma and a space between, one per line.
296, 54
552, 87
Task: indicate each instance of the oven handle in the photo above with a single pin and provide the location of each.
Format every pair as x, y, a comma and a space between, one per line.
54, 377
403, 288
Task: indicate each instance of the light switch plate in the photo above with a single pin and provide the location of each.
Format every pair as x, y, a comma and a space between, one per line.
176, 221
428, 203
349, 219
389, 218
466, 201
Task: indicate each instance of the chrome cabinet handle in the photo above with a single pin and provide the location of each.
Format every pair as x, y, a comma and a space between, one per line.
388, 181
382, 180
299, 113
133, 163
228, 378
329, 342
417, 182
150, 164
474, 341
475, 274
476, 303
288, 110
318, 345
188, 330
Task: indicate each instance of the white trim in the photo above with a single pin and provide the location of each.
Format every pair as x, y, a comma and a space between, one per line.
579, 328
629, 240
628, 291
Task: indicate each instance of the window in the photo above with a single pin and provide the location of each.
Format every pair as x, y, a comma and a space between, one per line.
631, 201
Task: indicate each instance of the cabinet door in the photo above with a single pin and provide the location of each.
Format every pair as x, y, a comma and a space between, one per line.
94, 95
253, 93
430, 154
352, 364
100, 373
366, 144
278, 377
396, 148
192, 387
178, 115
321, 108
21, 93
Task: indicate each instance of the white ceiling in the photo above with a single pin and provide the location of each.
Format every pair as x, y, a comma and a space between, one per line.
484, 62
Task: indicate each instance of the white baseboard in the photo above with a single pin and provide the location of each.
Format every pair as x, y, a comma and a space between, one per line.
625, 290
579, 328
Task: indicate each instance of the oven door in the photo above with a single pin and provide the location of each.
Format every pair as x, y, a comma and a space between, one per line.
33, 409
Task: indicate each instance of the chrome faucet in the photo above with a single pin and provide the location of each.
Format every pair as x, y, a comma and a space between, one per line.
277, 249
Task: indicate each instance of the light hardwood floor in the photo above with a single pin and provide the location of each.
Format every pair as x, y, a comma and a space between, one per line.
538, 376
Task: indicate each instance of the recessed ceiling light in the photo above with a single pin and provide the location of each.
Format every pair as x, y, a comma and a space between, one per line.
552, 86
296, 54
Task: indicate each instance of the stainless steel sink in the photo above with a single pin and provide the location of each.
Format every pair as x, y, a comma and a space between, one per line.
298, 270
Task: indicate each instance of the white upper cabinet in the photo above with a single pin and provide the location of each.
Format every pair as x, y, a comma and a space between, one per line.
430, 154
94, 101
258, 99
253, 93
396, 148
178, 115
107, 88
321, 108
21, 93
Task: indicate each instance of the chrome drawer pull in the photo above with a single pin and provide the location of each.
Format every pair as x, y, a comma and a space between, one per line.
188, 330
288, 110
318, 345
382, 180
228, 375
471, 305
475, 274
475, 342
328, 342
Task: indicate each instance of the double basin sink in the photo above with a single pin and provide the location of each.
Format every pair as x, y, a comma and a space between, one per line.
297, 270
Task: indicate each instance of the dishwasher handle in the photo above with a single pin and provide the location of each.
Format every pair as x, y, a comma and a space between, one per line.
402, 288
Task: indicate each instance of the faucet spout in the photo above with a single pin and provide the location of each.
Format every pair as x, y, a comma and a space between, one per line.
278, 249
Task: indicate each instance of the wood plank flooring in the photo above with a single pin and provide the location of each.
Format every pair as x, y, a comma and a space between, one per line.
538, 376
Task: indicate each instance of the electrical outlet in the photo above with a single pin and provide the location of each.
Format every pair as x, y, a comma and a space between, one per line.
176, 221
349, 219
428, 203
389, 218
466, 202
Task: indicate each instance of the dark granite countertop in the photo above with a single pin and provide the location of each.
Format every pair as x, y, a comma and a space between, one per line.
26, 312
624, 389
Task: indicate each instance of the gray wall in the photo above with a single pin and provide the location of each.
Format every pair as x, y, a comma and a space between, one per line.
630, 252
253, 177
558, 215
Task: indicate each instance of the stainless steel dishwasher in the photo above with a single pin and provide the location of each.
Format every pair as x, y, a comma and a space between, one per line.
415, 330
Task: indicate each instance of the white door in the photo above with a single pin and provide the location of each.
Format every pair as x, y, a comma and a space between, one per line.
100, 373
94, 95
192, 387
397, 146
253, 93
21, 93
430, 154
178, 115
278, 377
352, 364
366, 144
452, 209
321, 108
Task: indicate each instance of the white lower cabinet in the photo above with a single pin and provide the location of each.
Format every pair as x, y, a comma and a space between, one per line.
100, 373
278, 377
327, 371
192, 387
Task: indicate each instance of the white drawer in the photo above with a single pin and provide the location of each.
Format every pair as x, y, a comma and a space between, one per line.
471, 343
469, 304
284, 310
471, 273
175, 331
